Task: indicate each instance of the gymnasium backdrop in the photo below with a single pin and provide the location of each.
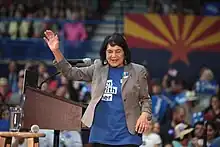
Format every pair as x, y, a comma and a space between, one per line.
186, 43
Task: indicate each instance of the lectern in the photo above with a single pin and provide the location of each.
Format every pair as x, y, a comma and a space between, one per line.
49, 111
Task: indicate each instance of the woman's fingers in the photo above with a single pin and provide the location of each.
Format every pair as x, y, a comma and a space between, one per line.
141, 128
49, 34
46, 40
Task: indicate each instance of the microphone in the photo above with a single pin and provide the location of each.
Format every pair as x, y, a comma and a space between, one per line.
35, 129
85, 61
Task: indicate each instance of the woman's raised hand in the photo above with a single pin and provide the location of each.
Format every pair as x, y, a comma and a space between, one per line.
52, 40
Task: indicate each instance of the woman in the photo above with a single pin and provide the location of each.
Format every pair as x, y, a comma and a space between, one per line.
120, 108
212, 113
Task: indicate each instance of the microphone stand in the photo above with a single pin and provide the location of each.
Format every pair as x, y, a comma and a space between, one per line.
56, 137
44, 81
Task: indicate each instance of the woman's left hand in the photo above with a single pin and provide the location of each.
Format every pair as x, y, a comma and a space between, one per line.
142, 124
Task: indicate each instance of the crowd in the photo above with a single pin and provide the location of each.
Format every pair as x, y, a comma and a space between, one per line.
176, 6
182, 114
52, 15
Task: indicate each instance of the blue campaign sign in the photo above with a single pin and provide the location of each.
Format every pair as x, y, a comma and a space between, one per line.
212, 8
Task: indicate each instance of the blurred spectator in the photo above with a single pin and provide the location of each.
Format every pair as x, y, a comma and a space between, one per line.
52, 87
38, 26
161, 103
205, 87
5, 92
26, 28
14, 26
167, 128
212, 133
3, 24
156, 127
20, 81
5, 112
61, 14
4, 118
199, 131
187, 99
182, 135
150, 138
43, 75
12, 77
42, 70
84, 95
68, 14
161, 108
212, 113
75, 31
62, 91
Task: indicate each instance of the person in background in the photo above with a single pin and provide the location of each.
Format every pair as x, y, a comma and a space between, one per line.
205, 87
212, 113
75, 31
12, 76
161, 104
4, 117
212, 133
43, 74
198, 133
156, 128
150, 138
183, 135
120, 95
167, 129
62, 91
199, 130
5, 92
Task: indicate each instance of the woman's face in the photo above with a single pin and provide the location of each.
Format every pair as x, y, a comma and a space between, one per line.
115, 55
210, 133
215, 103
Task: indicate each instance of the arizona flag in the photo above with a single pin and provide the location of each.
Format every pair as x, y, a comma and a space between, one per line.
177, 35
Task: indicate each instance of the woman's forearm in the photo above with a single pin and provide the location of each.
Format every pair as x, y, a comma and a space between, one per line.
58, 55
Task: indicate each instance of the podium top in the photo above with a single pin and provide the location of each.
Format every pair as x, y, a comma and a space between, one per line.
57, 97
22, 134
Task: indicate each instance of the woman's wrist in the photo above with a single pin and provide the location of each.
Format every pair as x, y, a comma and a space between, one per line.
147, 115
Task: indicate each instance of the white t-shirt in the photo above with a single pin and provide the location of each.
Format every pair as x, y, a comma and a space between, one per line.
150, 140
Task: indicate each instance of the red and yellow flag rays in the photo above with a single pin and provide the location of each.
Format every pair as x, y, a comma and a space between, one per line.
178, 34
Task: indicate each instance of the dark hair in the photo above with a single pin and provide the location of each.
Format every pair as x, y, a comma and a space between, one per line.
214, 127
210, 102
201, 123
115, 39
